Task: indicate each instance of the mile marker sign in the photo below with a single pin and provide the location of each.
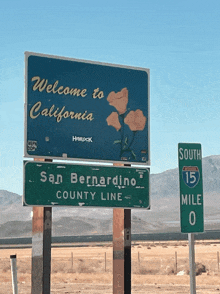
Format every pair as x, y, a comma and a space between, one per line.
191, 188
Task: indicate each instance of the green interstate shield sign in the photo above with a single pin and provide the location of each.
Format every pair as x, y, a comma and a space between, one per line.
191, 187
50, 184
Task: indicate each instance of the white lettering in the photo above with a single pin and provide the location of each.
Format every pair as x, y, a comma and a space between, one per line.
190, 154
65, 195
59, 179
57, 194
101, 180
82, 139
111, 196
191, 199
81, 179
75, 195
192, 218
198, 199
93, 195
51, 178
133, 182
184, 199
73, 178
193, 202
43, 175
181, 153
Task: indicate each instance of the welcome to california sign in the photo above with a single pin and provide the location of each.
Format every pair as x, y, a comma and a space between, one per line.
85, 110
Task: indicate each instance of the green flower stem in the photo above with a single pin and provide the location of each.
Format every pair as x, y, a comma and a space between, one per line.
127, 148
132, 140
122, 131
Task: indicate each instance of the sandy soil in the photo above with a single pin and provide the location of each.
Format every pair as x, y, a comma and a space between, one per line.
84, 270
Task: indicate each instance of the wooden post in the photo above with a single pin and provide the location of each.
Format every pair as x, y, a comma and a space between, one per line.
138, 260
47, 249
41, 249
218, 260
37, 250
127, 251
175, 266
71, 260
121, 251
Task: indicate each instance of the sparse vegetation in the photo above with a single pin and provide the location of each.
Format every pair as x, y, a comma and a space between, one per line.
87, 265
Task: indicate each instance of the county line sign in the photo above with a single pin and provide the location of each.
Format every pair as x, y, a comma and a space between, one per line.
50, 184
191, 187
83, 110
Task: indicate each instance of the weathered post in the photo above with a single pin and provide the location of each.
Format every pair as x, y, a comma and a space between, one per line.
72, 261
218, 260
127, 250
121, 251
139, 260
175, 266
37, 250
14, 274
41, 250
47, 249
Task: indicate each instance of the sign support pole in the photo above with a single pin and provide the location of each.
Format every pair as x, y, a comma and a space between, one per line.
192, 263
41, 249
121, 251
127, 250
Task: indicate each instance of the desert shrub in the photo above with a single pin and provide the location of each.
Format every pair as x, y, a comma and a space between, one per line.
87, 266
5, 265
59, 267
6, 268
146, 271
200, 268
170, 270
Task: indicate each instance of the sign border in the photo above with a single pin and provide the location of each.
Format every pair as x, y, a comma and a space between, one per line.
27, 54
81, 207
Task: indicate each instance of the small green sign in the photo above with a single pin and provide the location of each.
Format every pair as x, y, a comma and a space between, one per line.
50, 184
191, 188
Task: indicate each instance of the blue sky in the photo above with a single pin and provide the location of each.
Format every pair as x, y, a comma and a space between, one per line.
179, 41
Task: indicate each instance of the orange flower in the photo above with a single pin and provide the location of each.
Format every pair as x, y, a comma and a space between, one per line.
119, 100
136, 120
112, 120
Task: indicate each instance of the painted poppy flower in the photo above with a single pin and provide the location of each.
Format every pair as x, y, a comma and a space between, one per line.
135, 120
112, 120
119, 100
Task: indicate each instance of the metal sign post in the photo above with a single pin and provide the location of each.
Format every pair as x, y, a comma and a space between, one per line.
14, 273
192, 264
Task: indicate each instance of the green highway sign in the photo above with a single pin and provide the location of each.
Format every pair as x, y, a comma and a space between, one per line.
191, 188
50, 184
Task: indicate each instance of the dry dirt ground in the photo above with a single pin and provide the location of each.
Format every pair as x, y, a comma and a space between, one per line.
89, 269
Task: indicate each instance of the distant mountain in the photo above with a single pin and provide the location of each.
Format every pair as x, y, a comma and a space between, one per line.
9, 198
15, 220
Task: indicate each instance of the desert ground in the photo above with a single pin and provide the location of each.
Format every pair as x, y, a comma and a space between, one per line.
157, 267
